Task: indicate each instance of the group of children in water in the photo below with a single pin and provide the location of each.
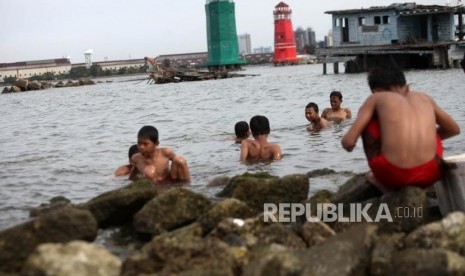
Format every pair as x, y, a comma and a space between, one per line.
401, 132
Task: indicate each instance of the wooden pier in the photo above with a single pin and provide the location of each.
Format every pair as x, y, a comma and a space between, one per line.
419, 56
406, 35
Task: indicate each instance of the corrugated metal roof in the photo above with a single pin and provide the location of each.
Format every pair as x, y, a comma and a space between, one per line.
401, 9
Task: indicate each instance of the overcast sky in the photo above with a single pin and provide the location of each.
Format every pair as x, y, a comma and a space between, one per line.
122, 29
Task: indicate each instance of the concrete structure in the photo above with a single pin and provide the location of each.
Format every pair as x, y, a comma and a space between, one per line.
407, 35
28, 69
284, 41
244, 43
88, 58
223, 50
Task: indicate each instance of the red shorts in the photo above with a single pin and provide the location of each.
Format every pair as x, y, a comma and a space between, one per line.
394, 177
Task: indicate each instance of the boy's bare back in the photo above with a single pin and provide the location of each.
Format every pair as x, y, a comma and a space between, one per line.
259, 150
408, 125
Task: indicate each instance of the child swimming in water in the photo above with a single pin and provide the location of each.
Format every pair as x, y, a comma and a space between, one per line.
155, 163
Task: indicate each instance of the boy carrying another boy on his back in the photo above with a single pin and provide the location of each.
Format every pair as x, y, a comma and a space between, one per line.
260, 148
153, 162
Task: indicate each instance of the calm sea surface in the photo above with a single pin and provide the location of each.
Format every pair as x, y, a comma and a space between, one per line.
67, 142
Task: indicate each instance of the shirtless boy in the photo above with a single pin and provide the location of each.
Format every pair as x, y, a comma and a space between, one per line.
242, 131
401, 132
126, 169
316, 122
336, 113
259, 148
153, 162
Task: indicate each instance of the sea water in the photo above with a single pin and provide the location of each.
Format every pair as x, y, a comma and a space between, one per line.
68, 141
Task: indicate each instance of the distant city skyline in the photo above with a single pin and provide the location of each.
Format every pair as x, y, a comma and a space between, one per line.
119, 30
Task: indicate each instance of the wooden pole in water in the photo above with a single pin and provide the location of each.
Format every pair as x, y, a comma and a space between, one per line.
324, 68
336, 67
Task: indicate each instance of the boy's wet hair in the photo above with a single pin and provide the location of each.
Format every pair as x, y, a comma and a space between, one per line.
241, 128
148, 132
337, 94
312, 105
132, 150
259, 125
385, 78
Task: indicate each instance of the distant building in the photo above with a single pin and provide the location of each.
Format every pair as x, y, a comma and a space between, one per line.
262, 50
28, 69
58, 66
406, 35
328, 40
301, 39
115, 64
245, 44
311, 37
304, 38
393, 24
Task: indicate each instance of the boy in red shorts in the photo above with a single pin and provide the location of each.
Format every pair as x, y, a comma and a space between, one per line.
401, 132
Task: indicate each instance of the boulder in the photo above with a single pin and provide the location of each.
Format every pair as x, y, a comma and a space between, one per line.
278, 233
64, 225
274, 259
166, 255
55, 203
315, 233
86, 81
230, 207
415, 261
6, 90
256, 190
45, 85
74, 258
346, 253
173, 209
59, 84
384, 248
235, 181
34, 85
15, 89
407, 208
449, 233
22, 84
356, 189
118, 207
70, 83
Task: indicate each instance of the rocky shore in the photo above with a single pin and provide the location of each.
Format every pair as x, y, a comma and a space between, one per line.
23, 85
253, 226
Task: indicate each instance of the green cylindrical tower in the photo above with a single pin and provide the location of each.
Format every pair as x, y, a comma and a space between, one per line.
221, 35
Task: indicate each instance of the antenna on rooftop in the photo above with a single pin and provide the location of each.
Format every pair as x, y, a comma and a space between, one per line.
88, 57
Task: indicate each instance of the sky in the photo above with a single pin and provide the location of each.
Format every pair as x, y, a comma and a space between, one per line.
122, 29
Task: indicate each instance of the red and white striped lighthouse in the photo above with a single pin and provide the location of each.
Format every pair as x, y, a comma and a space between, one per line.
284, 41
